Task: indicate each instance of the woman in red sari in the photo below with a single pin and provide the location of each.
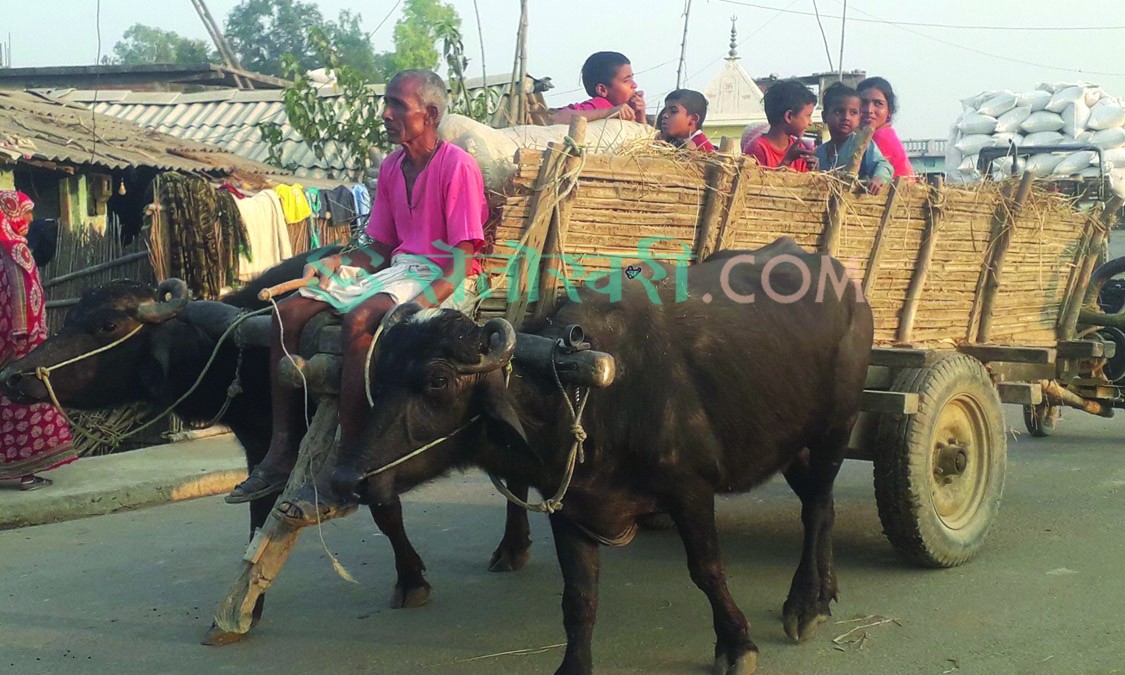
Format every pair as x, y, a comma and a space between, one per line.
33, 438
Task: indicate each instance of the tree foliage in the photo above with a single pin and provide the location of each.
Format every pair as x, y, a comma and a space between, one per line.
146, 44
261, 32
350, 122
417, 33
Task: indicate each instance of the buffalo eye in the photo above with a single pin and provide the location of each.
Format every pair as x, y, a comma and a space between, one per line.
438, 382
107, 327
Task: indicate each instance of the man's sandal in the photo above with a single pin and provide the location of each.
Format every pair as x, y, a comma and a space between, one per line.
310, 508
257, 484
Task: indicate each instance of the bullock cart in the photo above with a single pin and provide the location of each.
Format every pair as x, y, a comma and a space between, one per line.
981, 296
976, 294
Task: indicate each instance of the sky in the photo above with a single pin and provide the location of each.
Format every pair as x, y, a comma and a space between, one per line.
978, 46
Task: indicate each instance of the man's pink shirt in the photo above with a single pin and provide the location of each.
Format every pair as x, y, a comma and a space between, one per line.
448, 206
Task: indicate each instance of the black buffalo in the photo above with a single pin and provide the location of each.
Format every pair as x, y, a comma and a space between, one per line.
163, 360
711, 395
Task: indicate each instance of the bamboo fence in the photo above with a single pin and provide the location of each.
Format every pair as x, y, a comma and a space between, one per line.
940, 265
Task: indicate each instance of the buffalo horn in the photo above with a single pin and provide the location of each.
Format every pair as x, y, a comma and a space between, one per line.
161, 309
500, 350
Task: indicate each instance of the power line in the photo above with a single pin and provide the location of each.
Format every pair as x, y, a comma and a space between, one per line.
982, 52
925, 25
823, 36
385, 19
759, 29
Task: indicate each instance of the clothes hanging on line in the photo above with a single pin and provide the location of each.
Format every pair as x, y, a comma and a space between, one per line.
267, 234
294, 204
203, 233
340, 202
362, 202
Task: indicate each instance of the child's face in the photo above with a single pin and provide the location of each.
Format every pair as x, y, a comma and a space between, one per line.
621, 88
842, 117
677, 122
798, 120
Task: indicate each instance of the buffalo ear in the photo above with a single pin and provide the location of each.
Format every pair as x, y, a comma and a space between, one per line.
502, 424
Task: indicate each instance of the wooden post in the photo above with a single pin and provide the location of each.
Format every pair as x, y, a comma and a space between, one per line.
1001, 238
1079, 293
862, 140
833, 223
934, 215
736, 204
551, 268
716, 200
539, 214
1071, 297
272, 544
872, 272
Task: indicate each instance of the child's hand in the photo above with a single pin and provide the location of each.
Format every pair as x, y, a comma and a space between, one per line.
637, 101
624, 111
875, 186
796, 151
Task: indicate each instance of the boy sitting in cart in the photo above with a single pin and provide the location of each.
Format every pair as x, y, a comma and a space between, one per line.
608, 79
841, 116
789, 106
681, 120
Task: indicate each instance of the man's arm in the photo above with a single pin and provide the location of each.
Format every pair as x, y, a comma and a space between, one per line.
452, 274
372, 258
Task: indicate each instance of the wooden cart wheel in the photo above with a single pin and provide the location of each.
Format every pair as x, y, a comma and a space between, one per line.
1041, 419
939, 473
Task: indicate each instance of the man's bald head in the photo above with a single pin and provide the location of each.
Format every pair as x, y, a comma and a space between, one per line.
426, 85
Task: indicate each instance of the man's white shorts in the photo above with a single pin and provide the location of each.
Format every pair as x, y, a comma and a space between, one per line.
406, 278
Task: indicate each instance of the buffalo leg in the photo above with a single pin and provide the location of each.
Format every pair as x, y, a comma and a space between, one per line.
515, 548
411, 589
735, 653
814, 583
578, 560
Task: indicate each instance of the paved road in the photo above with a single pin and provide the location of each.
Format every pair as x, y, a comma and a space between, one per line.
132, 592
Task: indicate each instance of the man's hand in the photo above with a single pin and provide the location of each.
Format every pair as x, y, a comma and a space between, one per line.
875, 186
325, 269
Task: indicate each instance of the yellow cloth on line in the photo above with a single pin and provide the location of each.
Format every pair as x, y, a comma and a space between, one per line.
293, 202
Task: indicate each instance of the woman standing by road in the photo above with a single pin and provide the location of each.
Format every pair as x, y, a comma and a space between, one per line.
877, 99
33, 438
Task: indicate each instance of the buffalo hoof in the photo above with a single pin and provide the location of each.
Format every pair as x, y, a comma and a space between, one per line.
743, 664
506, 560
801, 622
410, 598
217, 637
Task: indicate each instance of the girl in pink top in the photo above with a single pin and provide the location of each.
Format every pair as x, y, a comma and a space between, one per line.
878, 108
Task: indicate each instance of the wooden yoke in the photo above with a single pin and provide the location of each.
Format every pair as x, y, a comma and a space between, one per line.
541, 216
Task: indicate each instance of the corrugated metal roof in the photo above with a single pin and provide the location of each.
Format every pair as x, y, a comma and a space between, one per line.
228, 119
35, 127
225, 118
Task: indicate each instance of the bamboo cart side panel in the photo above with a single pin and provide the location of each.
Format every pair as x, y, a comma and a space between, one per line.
946, 304
901, 242
621, 200
1039, 262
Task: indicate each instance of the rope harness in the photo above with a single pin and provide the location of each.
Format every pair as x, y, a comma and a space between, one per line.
43, 374
576, 456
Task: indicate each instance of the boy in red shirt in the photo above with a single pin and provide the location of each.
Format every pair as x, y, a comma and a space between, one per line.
682, 119
608, 78
789, 107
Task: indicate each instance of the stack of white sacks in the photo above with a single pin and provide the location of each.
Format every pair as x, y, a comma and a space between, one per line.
1054, 114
